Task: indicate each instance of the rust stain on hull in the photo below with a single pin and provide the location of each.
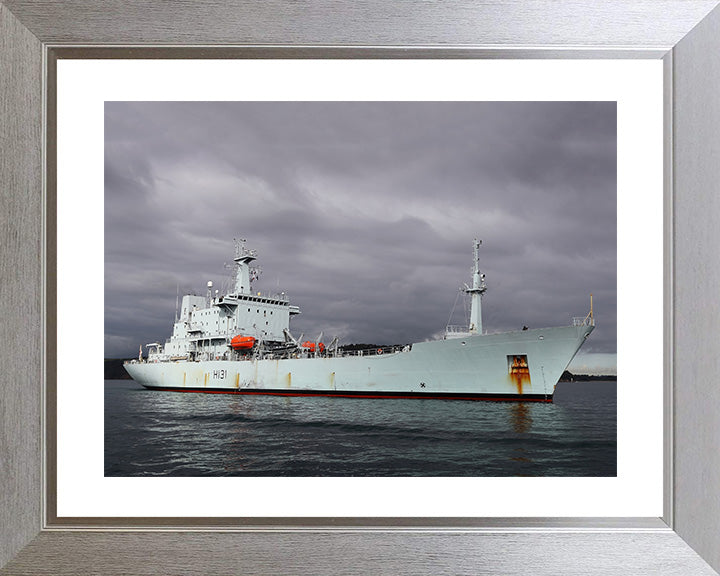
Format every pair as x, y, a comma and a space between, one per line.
519, 372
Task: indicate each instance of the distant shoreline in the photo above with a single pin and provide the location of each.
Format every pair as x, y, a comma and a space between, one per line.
570, 377
114, 371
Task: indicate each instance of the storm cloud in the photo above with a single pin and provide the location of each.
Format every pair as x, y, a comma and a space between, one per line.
363, 213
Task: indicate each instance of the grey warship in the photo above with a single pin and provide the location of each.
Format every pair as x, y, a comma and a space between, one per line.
240, 343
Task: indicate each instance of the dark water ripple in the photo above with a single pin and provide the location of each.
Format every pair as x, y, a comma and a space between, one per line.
150, 433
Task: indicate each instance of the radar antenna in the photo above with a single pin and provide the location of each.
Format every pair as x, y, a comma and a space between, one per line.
255, 272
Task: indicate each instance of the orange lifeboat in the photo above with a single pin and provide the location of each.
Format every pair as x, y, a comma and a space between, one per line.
311, 346
242, 342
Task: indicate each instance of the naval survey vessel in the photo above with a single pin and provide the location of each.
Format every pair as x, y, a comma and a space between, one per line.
239, 342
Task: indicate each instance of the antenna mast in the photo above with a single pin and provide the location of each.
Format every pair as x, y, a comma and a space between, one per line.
177, 300
243, 276
476, 292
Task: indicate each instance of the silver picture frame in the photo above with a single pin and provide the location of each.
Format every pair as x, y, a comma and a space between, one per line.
684, 34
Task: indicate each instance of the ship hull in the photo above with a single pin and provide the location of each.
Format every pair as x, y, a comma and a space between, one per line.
523, 365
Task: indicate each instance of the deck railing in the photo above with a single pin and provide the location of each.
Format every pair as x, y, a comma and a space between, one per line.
584, 321
456, 329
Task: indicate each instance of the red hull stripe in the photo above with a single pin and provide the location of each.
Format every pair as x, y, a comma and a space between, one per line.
390, 395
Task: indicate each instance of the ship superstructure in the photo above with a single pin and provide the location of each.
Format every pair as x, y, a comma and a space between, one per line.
240, 342
205, 326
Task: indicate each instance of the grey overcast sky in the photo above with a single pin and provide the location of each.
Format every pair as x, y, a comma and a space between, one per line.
363, 213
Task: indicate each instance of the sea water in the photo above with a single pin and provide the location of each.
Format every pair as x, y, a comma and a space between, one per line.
157, 433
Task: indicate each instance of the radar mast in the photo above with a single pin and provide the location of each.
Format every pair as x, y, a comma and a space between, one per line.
244, 273
476, 292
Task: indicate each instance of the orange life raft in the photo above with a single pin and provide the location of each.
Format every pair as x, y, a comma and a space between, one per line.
311, 346
242, 342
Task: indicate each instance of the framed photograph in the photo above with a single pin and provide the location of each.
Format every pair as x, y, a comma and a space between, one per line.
342, 218
63, 513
